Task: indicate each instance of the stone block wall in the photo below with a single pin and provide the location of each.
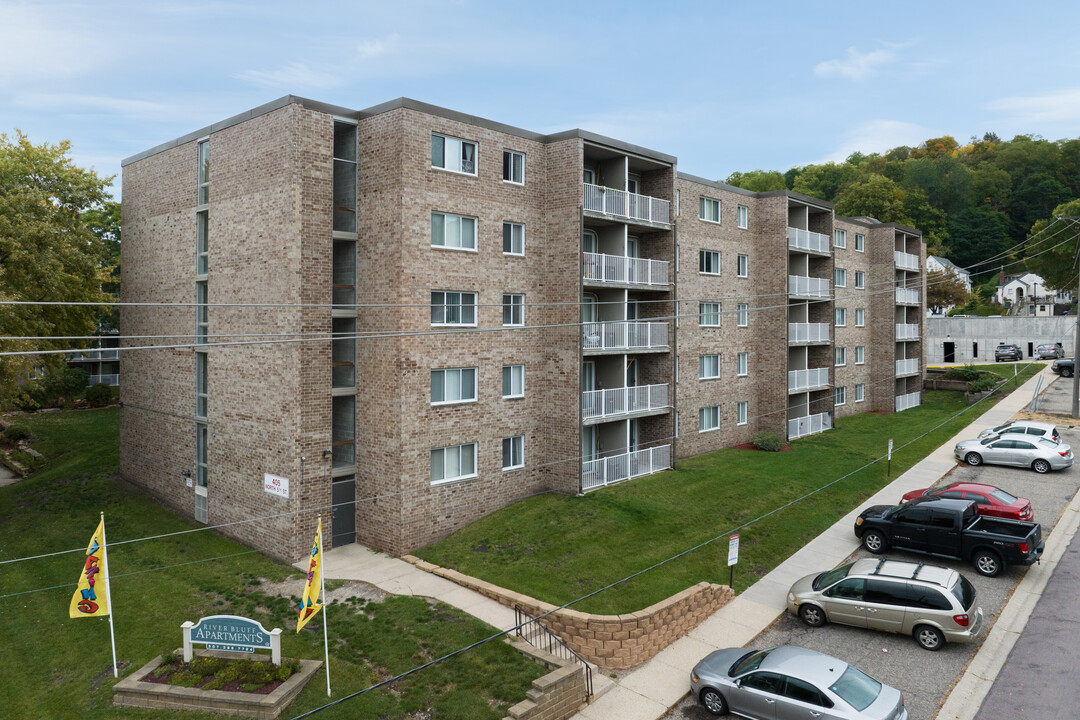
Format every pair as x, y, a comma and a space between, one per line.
555, 696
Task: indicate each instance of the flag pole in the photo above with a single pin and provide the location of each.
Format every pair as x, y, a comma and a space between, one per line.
108, 594
326, 605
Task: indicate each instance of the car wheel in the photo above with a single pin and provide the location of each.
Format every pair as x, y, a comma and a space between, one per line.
1066, 372
812, 615
874, 542
713, 701
1041, 466
987, 563
973, 458
929, 638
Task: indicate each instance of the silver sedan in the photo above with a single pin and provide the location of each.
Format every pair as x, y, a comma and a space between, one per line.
1041, 455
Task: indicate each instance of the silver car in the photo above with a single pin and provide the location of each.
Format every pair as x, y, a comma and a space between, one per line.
791, 682
1040, 454
1024, 427
1048, 352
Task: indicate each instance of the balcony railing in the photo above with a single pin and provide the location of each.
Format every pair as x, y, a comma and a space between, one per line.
907, 296
624, 335
112, 380
809, 241
808, 286
608, 470
808, 425
621, 203
908, 366
92, 355
907, 332
616, 402
598, 268
903, 402
807, 333
907, 261
807, 379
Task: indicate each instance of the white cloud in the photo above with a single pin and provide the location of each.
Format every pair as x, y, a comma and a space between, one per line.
292, 77
42, 45
857, 65
78, 103
370, 49
877, 136
1059, 106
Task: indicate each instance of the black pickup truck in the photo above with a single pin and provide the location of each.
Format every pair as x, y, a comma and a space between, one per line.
951, 528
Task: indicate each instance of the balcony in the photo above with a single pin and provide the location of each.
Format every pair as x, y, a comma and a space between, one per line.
601, 337
808, 425
608, 470
909, 366
807, 241
806, 380
903, 402
907, 332
808, 287
620, 271
907, 296
907, 261
92, 355
626, 205
808, 333
618, 403
111, 380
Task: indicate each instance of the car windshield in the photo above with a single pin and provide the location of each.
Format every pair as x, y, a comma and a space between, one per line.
856, 688
964, 592
748, 662
1003, 496
1048, 443
999, 428
832, 577
988, 440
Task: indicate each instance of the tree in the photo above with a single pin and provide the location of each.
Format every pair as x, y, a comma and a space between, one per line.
978, 233
1056, 265
876, 196
944, 289
47, 251
758, 180
825, 181
104, 222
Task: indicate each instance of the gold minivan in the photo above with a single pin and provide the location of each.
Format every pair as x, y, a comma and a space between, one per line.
933, 604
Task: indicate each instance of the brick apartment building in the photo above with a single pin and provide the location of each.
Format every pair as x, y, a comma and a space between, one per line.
513, 313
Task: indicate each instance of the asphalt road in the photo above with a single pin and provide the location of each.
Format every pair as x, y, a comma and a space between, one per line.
926, 677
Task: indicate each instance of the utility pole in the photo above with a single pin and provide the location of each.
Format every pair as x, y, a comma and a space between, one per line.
1076, 332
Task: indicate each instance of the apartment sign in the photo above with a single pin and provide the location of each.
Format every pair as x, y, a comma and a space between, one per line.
276, 485
733, 550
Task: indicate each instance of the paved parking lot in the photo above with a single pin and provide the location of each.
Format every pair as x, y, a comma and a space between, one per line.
923, 676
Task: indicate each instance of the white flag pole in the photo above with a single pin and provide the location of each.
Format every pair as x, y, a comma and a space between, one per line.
325, 608
108, 594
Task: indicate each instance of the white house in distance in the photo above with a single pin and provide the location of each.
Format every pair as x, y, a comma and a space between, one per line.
1026, 294
945, 265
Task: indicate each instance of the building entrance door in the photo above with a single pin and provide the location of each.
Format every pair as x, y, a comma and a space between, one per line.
343, 510
950, 352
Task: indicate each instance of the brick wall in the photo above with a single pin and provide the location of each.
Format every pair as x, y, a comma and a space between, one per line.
555, 696
852, 336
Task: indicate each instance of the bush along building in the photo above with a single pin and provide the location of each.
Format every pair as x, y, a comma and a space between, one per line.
512, 313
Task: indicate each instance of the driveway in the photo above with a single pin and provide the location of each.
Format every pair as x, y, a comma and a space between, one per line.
925, 677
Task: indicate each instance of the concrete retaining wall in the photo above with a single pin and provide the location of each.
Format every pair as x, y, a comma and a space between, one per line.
985, 333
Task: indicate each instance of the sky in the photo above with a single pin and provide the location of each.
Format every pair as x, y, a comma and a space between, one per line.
723, 86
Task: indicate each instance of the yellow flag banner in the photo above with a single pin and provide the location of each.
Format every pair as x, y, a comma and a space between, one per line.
310, 598
87, 602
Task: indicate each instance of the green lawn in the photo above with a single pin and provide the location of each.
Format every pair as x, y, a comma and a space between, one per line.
557, 548
55, 667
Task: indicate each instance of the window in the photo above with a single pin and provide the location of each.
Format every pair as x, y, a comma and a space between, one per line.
860, 279
676, 425
841, 396
710, 210
454, 154
709, 262
202, 243
708, 418
453, 385
202, 318
453, 308
455, 462
743, 314
804, 692
740, 412
849, 589
453, 231
860, 392
742, 364
344, 177
860, 355
860, 317
860, 243
709, 367
513, 309
344, 272
513, 452
676, 368
743, 266
588, 176
202, 437
765, 681
514, 167
841, 317
343, 430
204, 173
343, 352
841, 355
840, 238
840, 277
513, 239
709, 314
744, 217
513, 381
201, 394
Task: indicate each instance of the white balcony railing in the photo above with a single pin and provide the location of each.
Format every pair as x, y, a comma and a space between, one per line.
626, 204
113, 380
92, 355
608, 470
627, 270
805, 379
807, 332
808, 425
806, 240
624, 335
807, 286
908, 366
907, 296
614, 402
907, 332
904, 402
906, 261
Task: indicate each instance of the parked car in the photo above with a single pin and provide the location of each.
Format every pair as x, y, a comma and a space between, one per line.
951, 528
1048, 352
932, 604
1007, 352
790, 682
989, 500
1063, 367
1040, 454
1024, 427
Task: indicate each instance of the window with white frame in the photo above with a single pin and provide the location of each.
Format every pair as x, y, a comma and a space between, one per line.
840, 238
709, 314
454, 154
741, 412
709, 262
676, 368
709, 210
742, 364
860, 355
514, 167
860, 317
453, 231
454, 462
708, 367
513, 309
860, 392
202, 243
860, 242
676, 425
841, 396
453, 385
204, 173
860, 279
841, 355
709, 418
742, 266
742, 313
743, 217
513, 238
513, 381
453, 308
841, 317
840, 277
202, 317
513, 452
201, 384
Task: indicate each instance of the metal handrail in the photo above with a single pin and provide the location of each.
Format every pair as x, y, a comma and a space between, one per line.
531, 631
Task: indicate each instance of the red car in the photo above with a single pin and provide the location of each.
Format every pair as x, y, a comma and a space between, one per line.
992, 501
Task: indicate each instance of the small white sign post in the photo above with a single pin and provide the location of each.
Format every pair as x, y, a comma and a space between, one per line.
888, 470
276, 485
732, 558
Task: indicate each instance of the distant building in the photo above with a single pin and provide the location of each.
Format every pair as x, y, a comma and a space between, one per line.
940, 264
1026, 294
102, 362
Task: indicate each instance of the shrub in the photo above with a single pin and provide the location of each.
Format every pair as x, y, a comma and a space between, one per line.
962, 372
98, 395
26, 402
987, 382
15, 433
768, 441
186, 678
170, 658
